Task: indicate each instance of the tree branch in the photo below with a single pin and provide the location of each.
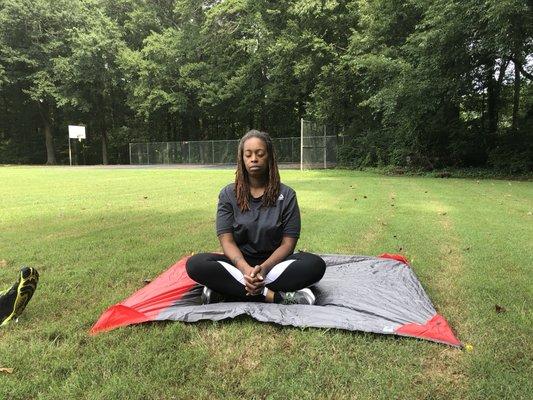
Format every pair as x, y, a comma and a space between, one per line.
503, 69
521, 69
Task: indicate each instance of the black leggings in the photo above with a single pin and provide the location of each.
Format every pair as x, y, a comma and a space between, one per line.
217, 272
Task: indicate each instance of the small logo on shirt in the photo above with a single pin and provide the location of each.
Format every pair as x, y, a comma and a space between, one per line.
281, 197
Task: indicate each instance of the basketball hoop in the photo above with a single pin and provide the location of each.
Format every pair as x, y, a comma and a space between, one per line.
75, 132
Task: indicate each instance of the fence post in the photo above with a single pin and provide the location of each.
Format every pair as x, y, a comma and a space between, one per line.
292, 149
301, 144
213, 150
147, 153
325, 148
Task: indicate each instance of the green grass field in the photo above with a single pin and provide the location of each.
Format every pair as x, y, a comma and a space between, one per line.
96, 234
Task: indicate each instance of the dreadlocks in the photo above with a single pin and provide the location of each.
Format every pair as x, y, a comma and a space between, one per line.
242, 184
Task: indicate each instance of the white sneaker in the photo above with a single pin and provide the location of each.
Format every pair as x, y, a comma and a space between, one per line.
303, 296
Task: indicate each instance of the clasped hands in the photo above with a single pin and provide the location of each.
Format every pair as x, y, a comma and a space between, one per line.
254, 280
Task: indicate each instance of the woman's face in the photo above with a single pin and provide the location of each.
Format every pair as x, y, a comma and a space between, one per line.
255, 157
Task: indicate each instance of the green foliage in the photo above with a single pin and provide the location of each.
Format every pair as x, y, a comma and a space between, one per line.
366, 150
33, 35
432, 81
512, 153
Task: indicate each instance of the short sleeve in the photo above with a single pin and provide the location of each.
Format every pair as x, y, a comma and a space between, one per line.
225, 217
291, 217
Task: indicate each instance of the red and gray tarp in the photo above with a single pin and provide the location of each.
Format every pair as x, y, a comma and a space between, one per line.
357, 293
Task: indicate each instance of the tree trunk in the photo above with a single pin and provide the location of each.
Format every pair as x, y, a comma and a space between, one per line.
47, 130
492, 114
104, 146
516, 99
251, 121
262, 103
103, 127
493, 96
523, 71
50, 152
168, 130
201, 129
105, 140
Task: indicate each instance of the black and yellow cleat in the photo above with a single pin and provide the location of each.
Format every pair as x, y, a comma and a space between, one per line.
14, 300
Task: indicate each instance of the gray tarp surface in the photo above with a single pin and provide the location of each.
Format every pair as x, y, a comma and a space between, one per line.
357, 293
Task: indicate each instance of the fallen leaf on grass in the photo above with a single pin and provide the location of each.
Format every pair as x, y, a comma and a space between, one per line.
529, 213
3, 263
499, 309
6, 370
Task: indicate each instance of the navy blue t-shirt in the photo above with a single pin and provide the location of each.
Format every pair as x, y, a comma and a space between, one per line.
258, 232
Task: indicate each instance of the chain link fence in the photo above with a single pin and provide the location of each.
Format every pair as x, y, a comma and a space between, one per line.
223, 152
319, 145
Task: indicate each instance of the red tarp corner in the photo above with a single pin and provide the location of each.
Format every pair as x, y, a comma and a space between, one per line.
146, 304
397, 257
436, 329
116, 316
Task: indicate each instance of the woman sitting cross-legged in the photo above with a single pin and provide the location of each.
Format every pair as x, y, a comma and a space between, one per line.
258, 226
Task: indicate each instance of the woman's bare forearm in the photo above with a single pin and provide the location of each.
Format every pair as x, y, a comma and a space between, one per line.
232, 251
285, 249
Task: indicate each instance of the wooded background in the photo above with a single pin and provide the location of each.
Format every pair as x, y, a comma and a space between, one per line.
420, 83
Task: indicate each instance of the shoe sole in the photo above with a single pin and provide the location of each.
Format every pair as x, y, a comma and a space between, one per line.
25, 288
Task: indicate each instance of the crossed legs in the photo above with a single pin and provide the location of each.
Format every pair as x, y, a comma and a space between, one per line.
297, 271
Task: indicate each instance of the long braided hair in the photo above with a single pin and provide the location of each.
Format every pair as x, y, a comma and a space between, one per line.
242, 183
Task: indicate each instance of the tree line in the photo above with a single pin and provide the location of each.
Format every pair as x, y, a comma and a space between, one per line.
421, 83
